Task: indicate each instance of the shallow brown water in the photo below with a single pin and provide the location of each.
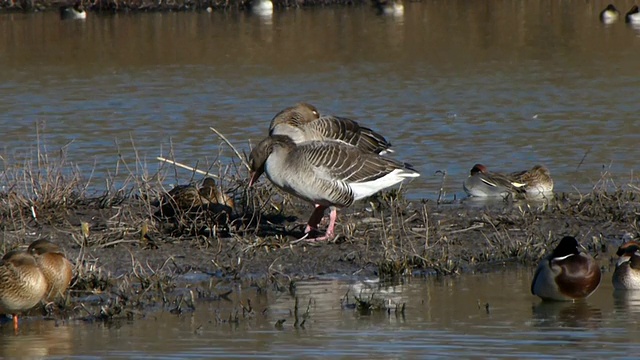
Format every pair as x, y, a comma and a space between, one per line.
443, 317
452, 83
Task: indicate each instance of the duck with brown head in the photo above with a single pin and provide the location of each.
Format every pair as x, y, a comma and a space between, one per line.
328, 174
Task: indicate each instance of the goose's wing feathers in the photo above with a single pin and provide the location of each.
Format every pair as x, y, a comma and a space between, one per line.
341, 162
350, 132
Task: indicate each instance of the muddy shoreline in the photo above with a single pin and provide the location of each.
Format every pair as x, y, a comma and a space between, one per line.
132, 255
385, 236
135, 252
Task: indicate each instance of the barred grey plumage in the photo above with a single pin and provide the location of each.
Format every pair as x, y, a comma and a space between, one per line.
303, 122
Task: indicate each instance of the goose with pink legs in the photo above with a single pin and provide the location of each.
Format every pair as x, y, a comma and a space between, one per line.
328, 174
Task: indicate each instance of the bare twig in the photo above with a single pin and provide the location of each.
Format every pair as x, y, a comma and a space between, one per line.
187, 167
244, 162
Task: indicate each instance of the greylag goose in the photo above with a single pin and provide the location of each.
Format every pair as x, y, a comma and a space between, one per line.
566, 274
483, 183
329, 174
303, 122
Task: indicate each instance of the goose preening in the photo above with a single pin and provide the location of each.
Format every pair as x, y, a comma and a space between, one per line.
328, 174
303, 122
54, 266
73, 12
627, 273
22, 284
566, 274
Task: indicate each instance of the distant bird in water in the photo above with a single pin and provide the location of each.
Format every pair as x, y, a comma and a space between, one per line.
627, 273
73, 12
328, 174
609, 15
633, 16
567, 274
389, 7
261, 7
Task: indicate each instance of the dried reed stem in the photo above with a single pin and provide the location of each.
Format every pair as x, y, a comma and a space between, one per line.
244, 162
187, 167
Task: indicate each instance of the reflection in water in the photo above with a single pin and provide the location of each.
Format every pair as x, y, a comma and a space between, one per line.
36, 339
577, 314
463, 316
627, 300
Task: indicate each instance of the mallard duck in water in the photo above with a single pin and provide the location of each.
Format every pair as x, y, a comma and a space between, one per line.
566, 274
73, 12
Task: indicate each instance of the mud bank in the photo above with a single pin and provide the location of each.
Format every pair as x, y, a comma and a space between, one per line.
129, 257
387, 236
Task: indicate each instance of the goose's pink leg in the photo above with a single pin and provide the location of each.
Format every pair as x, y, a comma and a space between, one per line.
332, 223
315, 218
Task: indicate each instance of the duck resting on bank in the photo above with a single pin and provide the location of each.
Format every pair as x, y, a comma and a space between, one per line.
22, 284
